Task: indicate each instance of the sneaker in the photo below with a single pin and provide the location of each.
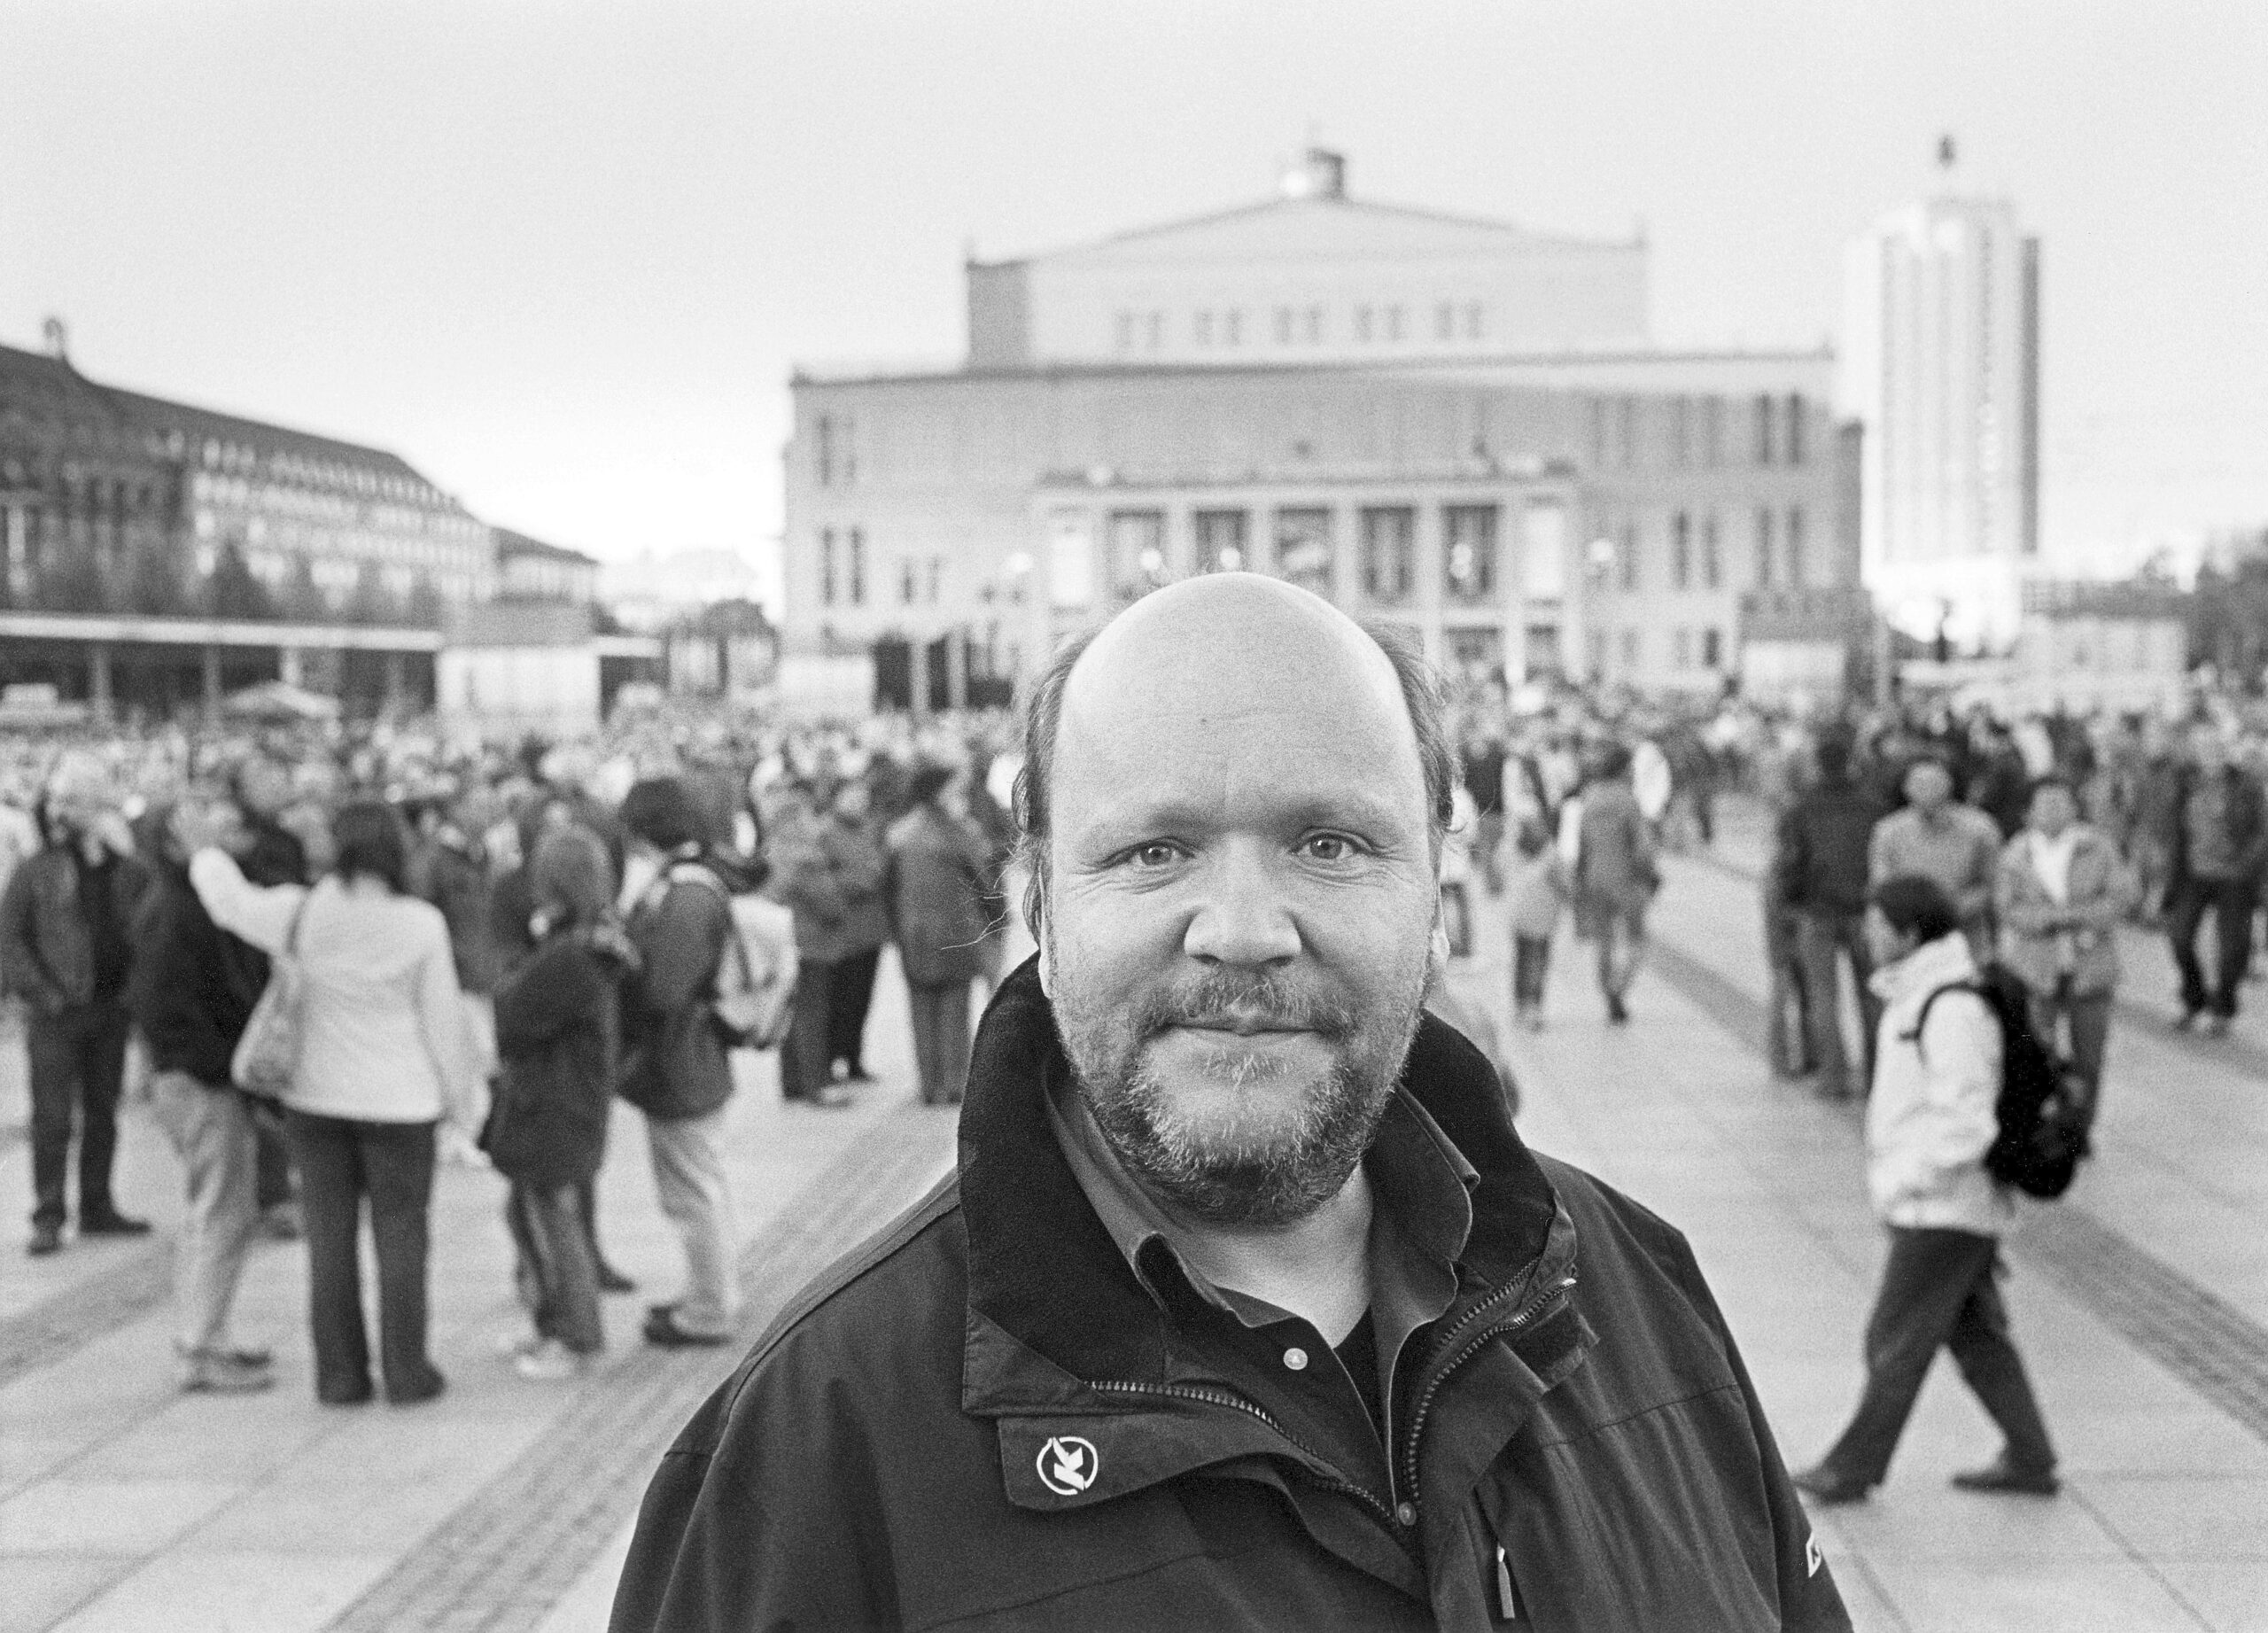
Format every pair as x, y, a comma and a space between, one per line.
2217, 1026
280, 1222
110, 1222
550, 1361
46, 1239
662, 1329
2001, 1476
612, 1280
219, 1373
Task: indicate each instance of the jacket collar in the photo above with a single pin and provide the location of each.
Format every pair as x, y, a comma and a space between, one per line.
1053, 1303
1939, 963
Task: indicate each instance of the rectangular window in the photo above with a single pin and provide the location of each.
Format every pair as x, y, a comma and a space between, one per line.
1200, 329
1232, 327
1766, 567
1389, 552
1303, 553
1681, 550
1135, 553
1157, 330
1712, 432
1315, 325
1393, 322
1712, 555
1472, 324
1766, 436
824, 452
1445, 321
850, 450
1362, 323
1796, 548
1795, 428
1681, 432
1283, 325
1628, 555
1598, 433
1220, 540
1627, 423
905, 580
1712, 649
827, 566
1469, 551
857, 567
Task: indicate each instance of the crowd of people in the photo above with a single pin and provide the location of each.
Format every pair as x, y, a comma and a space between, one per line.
470, 953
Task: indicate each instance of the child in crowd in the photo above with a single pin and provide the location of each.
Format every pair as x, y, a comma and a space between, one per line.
1539, 892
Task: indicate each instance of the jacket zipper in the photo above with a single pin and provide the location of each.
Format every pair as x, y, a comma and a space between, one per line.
1518, 1319
1508, 1604
1221, 1398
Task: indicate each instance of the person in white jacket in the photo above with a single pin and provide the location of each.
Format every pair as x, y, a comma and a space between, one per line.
384, 1057
1930, 1120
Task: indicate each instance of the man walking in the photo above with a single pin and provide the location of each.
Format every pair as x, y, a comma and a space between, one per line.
1958, 846
1821, 869
2062, 893
2220, 840
1929, 1122
676, 1070
66, 948
1247, 1305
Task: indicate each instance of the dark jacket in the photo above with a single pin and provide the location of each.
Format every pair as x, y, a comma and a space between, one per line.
938, 868
674, 1064
981, 1419
47, 952
449, 873
1822, 863
193, 985
272, 854
2247, 822
557, 1033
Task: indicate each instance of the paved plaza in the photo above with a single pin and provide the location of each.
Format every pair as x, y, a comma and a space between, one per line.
2141, 1304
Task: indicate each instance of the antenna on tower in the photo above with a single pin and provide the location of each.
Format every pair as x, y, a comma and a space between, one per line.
58, 338
1946, 152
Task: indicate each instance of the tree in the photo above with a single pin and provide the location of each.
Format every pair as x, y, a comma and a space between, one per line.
232, 590
372, 602
2228, 614
301, 599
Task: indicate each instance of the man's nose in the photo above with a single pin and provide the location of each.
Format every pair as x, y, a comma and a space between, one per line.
1244, 917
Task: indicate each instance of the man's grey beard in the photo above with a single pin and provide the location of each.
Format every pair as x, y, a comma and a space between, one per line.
1272, 1184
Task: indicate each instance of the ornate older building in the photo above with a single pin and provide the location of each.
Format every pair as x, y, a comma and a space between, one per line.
1454, 425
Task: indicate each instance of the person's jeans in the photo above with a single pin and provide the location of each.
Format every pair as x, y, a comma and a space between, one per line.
1819, 936
1531, 970
850, 994
688, 1158
77, 1058
2085, 1018
211, 1130
806, 1062
941, 1042
2230, 902
1939, 1288
557, 1273
342, 1164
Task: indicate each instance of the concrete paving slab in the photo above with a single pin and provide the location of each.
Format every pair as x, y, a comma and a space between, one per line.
43, 1589
244, 1592
107, 1516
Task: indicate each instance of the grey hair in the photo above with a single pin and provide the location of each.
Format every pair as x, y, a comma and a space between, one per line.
1423, 694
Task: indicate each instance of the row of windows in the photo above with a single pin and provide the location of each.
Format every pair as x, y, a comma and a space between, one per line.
835, 457
234, 456
1688, 647
1307, 325
1696, 552
846, 574
1694, 431
1300, 548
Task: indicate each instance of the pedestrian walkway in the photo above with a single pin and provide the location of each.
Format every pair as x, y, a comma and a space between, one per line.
507, 1506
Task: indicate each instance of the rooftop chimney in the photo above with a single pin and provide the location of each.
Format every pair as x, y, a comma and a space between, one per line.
1318, 174
58, 339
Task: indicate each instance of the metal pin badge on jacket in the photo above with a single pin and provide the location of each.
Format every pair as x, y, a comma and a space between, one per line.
1068, 1464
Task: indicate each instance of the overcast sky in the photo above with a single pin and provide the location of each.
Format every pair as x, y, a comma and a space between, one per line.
561, 257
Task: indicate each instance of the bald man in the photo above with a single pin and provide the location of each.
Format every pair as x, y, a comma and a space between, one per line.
1245, 1306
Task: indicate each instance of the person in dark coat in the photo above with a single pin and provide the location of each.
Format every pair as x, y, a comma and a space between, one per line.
936, 894
852, 836
804, 880
1246, 1305
271, 854
556, 1033
2220, 846
1820, 869
1616, 877
66, 950
191, 991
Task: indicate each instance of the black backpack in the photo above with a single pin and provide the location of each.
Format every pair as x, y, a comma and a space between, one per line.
2043, 1109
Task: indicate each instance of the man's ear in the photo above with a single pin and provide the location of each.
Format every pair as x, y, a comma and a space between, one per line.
1046, 959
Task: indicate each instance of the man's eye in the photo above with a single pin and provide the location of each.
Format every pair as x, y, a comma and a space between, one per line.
1328, 847
1155, 854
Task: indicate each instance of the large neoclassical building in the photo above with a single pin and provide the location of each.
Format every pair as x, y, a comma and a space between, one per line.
1455, 425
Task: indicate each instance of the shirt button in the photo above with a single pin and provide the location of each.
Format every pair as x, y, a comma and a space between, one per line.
1407, 1513
1296, 1358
